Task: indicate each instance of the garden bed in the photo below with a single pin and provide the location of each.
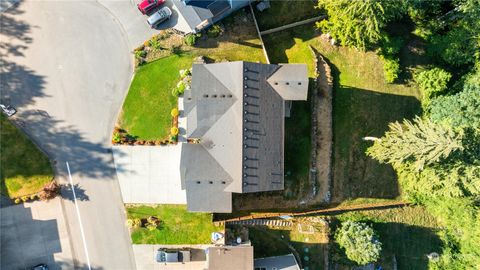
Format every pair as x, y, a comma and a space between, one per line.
176, 225
24, 169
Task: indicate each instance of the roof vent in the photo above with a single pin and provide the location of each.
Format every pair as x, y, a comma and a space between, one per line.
214, 96
223, 182
276, 83
198, 182
222, 96
299, 83
229, 96
205, 96
210, 182
287, 83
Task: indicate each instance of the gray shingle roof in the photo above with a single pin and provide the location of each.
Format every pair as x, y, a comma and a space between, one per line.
230, 258
239, 118
285, 262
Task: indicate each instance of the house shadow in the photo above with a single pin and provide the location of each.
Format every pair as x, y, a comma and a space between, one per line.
27, 241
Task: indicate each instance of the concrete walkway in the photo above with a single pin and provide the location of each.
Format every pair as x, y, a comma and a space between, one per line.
34, 233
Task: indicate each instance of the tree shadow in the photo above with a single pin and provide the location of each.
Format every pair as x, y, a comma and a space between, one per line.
80, 194
19, 84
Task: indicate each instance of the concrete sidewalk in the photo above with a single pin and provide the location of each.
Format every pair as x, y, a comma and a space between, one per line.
34, 233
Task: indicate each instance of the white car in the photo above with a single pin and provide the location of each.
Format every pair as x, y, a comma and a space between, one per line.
159, 16
8, 110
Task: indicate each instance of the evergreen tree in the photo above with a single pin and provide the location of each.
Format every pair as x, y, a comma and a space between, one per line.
358, 23
359, 242
421, 142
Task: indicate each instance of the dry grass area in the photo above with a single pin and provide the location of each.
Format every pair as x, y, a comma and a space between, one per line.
307, 239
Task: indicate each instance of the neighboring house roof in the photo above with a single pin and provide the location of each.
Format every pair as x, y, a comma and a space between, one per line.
195, 13
236, 110
286, 262
230, 258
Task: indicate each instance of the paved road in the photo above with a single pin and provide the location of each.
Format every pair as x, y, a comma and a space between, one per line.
66, 67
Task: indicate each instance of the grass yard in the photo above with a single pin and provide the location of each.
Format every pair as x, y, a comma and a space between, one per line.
363, 106
146, 110
177, 225
408, 233
285, 12
24, 169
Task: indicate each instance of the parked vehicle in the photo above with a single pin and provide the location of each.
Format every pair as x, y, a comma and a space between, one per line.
8, 110
172, 256
39, 267
146, 6
159, 16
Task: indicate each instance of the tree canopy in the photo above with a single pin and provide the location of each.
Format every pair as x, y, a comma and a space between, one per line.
358, 23
359, 242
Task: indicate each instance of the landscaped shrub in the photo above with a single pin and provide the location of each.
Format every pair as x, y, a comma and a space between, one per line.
391, 68
33, 197
155, 44
173, 138
134, 223
116, 137
432, 82
17, 201
174, 112
214, 31
184, 73
140, 54
190, 39
174, 131
179, 89
25, 198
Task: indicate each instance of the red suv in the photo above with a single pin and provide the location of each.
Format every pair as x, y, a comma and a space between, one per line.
148, 5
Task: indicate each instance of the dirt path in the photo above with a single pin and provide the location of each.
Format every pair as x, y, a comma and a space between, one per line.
321, 159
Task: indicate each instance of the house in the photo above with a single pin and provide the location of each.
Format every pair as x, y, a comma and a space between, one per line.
285, 262
235, 130
195, 15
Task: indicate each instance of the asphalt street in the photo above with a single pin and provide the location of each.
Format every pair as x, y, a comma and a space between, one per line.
66, 67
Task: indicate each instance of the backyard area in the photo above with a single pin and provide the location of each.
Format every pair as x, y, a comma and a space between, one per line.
408, 234
177, 226
146, 111
275, 241
361, 98
24, 169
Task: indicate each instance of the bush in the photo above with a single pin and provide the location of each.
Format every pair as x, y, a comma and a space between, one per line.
151, 227
116, 137
359, 242
432, 81
25, 198
173, 138
134, 223
140, 54
174, 112
17, 201
391, 68
33, 197
179, 89
190, 39
155, 44
214, 31
184, 73
174, 131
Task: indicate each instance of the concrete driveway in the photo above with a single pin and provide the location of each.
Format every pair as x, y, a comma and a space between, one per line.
66, 67
34, 233
149, 174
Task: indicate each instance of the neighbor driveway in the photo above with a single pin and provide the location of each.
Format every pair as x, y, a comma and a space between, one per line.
34, 233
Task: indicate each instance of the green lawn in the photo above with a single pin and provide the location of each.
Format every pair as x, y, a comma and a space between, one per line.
177, 225
24, 169
146, 110
285, 12
363, 106
409, 233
